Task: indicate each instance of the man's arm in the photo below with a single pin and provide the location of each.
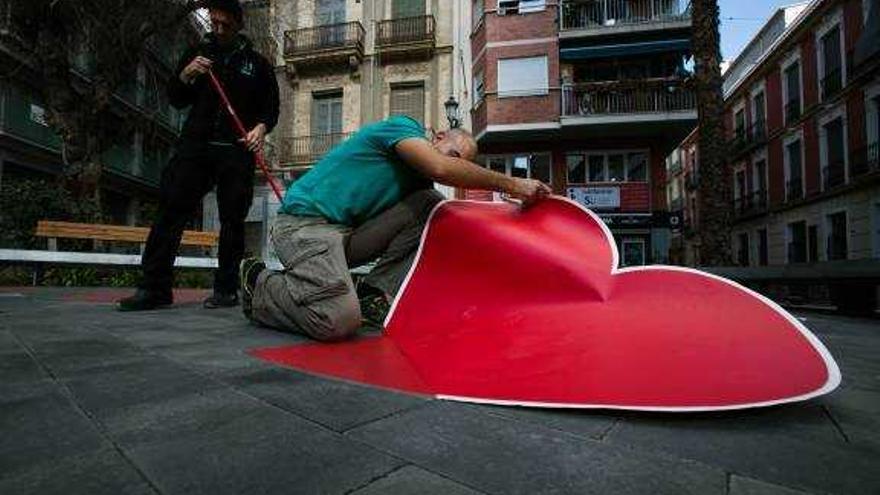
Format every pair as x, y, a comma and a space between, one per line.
181, 90
457, 172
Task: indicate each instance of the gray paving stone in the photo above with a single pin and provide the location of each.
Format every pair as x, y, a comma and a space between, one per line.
335, 404
213, 358
267, 452
780, 449
96, 473
105, 391
70, 357
740, 485
858, 414
414, 480
40, 425
498, 455
593, 424
18, 366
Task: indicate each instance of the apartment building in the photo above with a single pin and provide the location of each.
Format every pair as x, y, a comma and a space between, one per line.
589, 96
801, 116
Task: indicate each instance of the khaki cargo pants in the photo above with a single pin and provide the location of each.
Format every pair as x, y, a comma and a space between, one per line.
314, 294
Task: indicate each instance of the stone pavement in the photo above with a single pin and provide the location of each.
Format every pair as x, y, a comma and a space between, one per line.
94, 401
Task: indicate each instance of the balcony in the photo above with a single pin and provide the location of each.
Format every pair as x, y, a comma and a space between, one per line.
792, 110
750, 204
409, 37
303, 151
832, 83
324, 48
600, 17
833, 175
746, 138
794, 189
864, 161
658, 108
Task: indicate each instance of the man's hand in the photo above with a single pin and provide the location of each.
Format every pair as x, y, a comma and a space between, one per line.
254, 138
528, 190
199, 65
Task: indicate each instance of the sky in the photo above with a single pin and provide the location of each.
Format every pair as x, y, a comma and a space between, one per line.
741, 19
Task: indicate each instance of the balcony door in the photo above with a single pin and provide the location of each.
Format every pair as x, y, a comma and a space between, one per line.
326, 124
331, 15
401, 9
409, 99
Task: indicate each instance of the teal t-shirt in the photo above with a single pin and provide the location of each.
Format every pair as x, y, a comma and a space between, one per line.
359, 178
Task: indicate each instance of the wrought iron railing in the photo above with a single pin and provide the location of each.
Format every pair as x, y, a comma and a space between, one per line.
607, 13
330, 37
832, 83
754, 202
624, 97
745, 137
794, 189
307, 149
864, 160
417, 29
833, 175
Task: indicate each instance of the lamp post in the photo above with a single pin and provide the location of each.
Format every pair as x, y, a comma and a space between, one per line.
452, 112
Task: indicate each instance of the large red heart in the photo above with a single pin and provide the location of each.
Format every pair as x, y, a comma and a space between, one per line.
527, 307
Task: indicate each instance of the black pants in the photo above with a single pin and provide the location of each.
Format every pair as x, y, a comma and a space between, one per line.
191, 174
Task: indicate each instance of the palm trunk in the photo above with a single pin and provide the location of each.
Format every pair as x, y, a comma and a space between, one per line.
715, 194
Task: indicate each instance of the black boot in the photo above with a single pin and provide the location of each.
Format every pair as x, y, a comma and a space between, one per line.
144, 300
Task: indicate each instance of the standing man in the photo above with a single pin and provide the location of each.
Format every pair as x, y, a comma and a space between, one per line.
210, 153
369, 198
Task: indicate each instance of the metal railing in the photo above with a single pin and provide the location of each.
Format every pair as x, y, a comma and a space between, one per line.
833, 175
754, 202
419, 29
587, 99
608, 13
329, 37
308, 149
864, 160
675, 167
832, 83
794, 189
745, 137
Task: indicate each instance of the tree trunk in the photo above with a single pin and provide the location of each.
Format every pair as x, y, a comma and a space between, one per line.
715, 192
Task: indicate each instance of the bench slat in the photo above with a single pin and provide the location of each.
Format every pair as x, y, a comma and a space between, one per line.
71, 230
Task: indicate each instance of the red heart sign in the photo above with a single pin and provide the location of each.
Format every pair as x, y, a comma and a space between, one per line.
528, 307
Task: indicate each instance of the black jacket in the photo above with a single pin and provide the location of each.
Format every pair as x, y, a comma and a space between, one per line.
250, 84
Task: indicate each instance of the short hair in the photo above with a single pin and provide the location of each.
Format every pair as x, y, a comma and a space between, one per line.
464, 133
230, 6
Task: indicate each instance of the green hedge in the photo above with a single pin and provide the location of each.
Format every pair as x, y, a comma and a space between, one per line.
23, 202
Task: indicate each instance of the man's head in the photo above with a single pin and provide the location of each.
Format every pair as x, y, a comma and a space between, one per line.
455, 142
226, 19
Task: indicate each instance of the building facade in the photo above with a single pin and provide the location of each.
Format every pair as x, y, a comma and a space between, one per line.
345, 63
801, 116
589, 97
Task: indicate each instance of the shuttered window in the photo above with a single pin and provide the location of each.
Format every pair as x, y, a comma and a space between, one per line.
408, 99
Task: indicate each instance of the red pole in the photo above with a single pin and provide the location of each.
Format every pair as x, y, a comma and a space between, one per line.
243, 132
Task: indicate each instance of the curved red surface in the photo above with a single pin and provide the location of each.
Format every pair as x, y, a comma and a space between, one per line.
527, 307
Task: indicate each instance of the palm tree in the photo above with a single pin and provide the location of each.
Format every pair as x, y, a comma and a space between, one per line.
715, 182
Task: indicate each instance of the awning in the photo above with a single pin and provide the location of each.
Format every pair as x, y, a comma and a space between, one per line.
606, 51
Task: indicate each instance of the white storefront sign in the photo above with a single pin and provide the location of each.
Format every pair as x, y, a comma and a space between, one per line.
596, 197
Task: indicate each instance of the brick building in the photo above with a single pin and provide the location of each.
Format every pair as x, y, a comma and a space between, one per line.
588, 96
801, 116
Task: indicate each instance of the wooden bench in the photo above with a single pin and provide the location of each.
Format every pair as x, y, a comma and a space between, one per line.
53, 231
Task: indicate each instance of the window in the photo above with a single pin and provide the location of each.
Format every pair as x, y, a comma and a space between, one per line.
326, 113
402, 9
797, 242
834, 154
506, 7
408, 99
329, 12
813, 243
836, 246
742, 249
758, 115
759, 183
793, 171
762, 247
479, 88
740, 124
535, 166
478, 8
607, 167
523, 76
792, 89
831, 62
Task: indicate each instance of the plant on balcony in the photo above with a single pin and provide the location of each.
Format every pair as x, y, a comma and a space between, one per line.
55, 36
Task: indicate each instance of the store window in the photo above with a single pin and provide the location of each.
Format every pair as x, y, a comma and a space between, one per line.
536, 166
613, 166
633, 251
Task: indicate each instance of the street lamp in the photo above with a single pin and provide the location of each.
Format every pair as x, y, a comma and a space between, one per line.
452, 112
